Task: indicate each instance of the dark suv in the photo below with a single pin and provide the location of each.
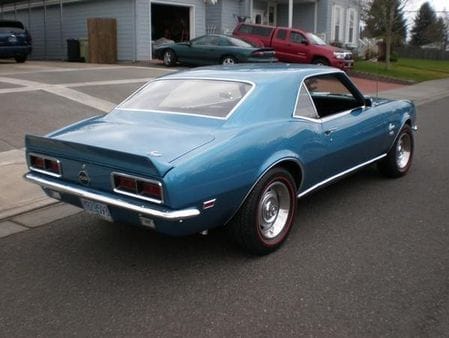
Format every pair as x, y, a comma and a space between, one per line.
15, 41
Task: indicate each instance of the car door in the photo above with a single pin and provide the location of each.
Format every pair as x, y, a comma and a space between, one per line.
204, 50
351, 133
296, 48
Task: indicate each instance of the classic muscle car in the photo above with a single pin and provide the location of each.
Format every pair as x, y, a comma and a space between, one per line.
231, 146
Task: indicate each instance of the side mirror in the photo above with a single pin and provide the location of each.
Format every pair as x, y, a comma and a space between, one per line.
368, 102
305, 42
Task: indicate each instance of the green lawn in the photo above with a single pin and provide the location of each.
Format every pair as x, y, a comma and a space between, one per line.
407, 69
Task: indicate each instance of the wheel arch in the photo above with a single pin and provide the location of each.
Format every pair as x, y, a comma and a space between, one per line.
290, 163
316, 57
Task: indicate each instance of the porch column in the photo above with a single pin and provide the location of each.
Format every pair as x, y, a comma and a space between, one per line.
290, 13
251, 7
315, 19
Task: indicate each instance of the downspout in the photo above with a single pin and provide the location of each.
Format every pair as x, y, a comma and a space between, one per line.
45, 29
61, 28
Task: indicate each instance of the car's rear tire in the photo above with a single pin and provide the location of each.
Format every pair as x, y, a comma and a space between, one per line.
264, 221
320, 61
20, 58
169, 57
228, 60
399, 159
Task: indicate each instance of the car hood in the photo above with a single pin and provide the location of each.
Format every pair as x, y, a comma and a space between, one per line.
162, 144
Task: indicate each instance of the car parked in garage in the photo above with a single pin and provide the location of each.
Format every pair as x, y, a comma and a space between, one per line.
15, 40
213, 49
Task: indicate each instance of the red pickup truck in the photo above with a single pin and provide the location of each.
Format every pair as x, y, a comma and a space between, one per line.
295, 45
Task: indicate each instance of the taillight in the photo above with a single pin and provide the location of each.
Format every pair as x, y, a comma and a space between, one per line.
45, 164
258, 53
125, 183
150, 189
142, 188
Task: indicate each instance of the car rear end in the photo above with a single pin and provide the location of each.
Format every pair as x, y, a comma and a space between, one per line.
15, 40
262, 55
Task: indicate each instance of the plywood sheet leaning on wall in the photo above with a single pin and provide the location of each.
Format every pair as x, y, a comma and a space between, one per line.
102, 34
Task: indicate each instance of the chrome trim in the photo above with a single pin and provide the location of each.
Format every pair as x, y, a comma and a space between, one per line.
170, 215
339, 175
415, 128
137, 178
251, 83
45, 172
326, 118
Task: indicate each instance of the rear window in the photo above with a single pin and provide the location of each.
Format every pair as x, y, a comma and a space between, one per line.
256, 30
212, 98
11, 27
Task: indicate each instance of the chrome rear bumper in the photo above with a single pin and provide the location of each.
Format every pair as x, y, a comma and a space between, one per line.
112, 200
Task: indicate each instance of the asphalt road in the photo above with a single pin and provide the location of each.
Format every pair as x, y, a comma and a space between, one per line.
368, 256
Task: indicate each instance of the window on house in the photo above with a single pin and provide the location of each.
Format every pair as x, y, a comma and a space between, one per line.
338, 21
351, 25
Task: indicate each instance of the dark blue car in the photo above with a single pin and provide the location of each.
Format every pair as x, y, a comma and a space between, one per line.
15, 41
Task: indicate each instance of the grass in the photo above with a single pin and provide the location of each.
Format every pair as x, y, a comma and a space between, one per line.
416, 70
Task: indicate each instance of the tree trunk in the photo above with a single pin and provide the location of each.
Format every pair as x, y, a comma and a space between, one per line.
389, 34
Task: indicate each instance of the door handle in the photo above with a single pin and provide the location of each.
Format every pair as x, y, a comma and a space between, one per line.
330, 131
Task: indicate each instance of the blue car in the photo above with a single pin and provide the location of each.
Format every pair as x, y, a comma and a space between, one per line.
15, 41
231, 146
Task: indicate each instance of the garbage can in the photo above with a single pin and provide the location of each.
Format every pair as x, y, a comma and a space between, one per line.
84, 49
73, 50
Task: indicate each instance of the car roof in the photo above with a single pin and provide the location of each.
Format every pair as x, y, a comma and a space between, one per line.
256, 73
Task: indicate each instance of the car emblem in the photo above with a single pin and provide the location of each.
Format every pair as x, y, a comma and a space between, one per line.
83, 176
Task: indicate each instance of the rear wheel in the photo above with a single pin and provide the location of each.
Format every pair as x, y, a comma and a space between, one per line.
399, 159
169, 58
20, 58
320, 61
265, 219
228, 60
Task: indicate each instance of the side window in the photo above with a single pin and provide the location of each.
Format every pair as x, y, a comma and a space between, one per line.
305, 106
205, 41
297, 37
331, 94
281, 34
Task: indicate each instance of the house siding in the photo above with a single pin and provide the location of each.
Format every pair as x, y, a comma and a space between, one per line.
44, 26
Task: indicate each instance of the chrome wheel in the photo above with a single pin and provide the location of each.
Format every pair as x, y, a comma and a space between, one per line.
228, 60
403, 150
169, 58
274, 209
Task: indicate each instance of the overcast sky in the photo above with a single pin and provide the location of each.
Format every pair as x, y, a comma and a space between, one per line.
437, 5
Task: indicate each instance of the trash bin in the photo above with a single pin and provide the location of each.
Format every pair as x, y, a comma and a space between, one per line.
73, 50
84, 49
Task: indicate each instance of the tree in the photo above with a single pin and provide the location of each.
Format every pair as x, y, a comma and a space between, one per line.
385, 19
427, 27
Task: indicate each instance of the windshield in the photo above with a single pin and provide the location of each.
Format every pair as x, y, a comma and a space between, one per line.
213, 98
240, 43
315, 40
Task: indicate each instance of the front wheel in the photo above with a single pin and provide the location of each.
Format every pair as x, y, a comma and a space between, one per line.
169, 58
399, 159
228, 60
320, 61
265, 219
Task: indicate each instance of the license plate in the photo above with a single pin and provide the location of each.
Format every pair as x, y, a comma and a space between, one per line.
96, 208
